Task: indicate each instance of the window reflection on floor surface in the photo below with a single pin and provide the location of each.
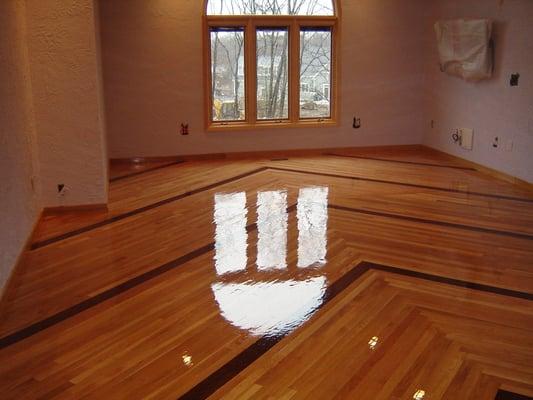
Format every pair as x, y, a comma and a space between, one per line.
267, 303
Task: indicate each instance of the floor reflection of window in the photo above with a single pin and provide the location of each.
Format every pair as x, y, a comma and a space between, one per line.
269, 308
230, 232
312, 214
269, 300
272, 229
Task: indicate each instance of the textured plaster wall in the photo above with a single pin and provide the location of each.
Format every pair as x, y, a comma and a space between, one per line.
52, 127
63, 55
152, 63
492, 107
18, 202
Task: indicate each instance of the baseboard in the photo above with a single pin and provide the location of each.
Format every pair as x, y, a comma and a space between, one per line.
81, 207
141, 160
489, 171
257, 154
18, 261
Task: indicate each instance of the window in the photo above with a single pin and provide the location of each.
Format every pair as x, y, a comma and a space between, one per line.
272, 73
227, 69
271, 63
315, 70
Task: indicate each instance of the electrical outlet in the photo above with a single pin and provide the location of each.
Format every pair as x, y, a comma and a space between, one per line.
464, 137
467, 138
496, 142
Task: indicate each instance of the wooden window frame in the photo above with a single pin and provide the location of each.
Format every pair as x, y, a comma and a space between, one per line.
251, 23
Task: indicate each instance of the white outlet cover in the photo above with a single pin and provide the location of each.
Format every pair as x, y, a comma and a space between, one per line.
467, 138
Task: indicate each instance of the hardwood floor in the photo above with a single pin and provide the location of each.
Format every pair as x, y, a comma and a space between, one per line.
119, 170
426, 285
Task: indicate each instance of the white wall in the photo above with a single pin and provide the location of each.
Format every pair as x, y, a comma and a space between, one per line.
492, 107
18, 202
51, 115
64, 65
152, 63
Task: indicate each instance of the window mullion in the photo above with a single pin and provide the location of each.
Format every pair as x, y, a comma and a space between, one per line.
294, 71
251, 72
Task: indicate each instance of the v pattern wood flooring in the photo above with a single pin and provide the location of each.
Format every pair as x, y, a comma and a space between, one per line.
145, 323
429, 337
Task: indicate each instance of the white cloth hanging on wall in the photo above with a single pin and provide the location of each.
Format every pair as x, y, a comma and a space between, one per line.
464, 48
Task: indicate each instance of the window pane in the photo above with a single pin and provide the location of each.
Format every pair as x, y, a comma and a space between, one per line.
272, 73
270, 7
315, 73
227, 74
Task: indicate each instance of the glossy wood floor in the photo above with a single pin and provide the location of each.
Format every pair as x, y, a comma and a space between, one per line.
428, 286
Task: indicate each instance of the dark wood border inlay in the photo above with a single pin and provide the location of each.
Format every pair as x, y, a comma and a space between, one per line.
243, 360
225, 373
505, 395
100, 298
170, 164
401, 161
433, 222
136, 211
232, 368
358, 178
449, 281
110, 293
119, 217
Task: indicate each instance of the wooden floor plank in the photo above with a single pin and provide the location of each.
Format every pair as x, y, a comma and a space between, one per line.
441, 277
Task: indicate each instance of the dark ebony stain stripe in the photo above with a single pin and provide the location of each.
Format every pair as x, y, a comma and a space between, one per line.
401, 161
357, 178
232, 368
243, 360
433, 222
100, 298
505, 395
119, 217
115, 291
110, 293
117, 178
449, 281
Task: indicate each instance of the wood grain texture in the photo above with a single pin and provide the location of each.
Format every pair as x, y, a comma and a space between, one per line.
130, 299
123, 170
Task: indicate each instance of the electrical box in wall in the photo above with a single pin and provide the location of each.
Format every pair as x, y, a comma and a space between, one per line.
467, 138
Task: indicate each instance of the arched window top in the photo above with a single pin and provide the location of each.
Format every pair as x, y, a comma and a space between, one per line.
271, 7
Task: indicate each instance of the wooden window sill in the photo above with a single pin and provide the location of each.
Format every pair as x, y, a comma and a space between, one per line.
238, 126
